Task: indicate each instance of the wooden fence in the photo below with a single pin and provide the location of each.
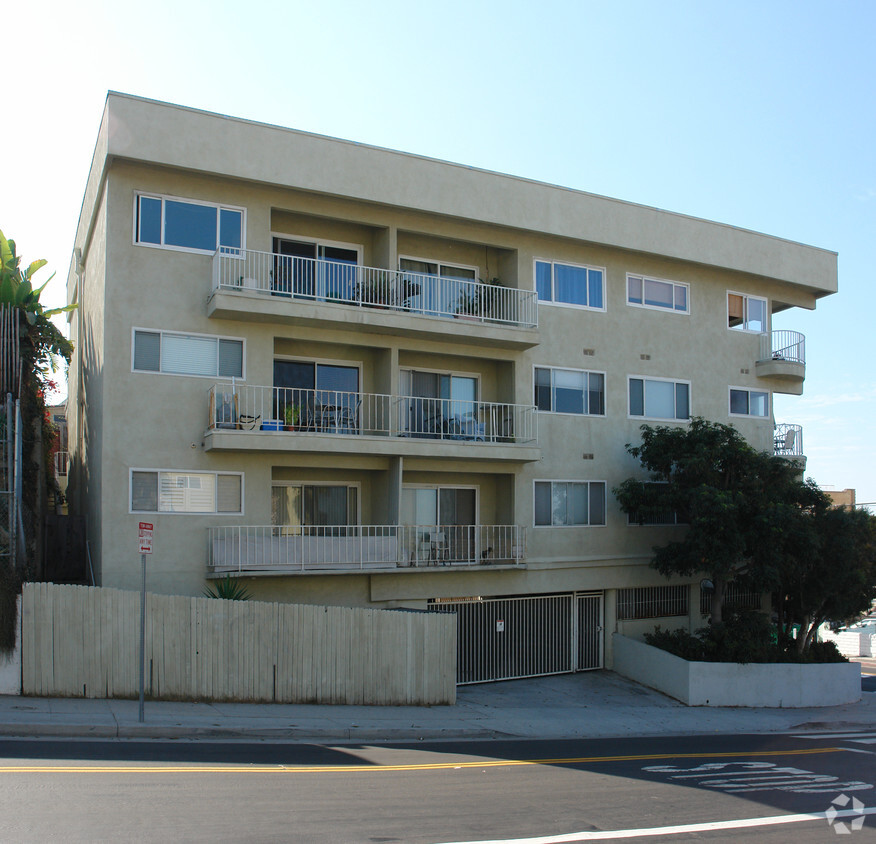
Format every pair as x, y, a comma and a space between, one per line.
81, 641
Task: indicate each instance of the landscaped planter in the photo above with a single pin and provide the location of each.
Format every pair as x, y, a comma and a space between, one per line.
784, 684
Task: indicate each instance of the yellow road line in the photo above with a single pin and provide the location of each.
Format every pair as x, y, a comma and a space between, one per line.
256, 768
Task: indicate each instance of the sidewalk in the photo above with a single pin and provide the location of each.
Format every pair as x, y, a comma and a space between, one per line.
594, 704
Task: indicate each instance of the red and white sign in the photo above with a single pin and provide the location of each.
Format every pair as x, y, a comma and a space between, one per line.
145, 544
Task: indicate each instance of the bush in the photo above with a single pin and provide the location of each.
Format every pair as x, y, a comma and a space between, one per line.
746, 636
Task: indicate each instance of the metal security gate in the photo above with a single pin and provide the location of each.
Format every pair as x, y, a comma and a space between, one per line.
528, 636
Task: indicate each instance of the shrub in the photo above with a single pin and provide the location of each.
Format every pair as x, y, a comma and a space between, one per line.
747, 636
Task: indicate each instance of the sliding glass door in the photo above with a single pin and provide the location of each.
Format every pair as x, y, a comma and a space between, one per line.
441, 405
445, 520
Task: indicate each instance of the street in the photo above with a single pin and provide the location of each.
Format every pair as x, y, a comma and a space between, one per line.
712, 788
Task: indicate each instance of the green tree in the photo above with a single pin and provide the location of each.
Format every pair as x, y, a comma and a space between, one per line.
743, 507
41, 344
837, 579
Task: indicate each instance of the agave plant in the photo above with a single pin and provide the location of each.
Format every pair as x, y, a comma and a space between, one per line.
229, 589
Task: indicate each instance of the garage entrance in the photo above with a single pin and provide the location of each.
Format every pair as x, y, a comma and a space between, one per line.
525, 636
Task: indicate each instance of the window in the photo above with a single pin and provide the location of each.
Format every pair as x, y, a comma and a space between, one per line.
452, 294
652, 602
569, 503
569, 284
298, 506
746, 313
187, 225
187, 354
569, 391
656, 293
325, 271
749, 402
186, 492
657, 398
655, 509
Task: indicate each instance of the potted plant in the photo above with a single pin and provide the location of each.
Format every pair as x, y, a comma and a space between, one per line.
292, 415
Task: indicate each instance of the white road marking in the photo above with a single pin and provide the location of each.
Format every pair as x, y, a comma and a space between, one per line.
741, 777
616, 834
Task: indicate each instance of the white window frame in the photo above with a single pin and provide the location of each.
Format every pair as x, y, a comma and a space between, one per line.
439, 264
216, 337
552, 301
318, 241
748, 391
219, 206
587, 482
745, 297
646, 278
645, 416
439, 487
159, 472
588, 372
357, 485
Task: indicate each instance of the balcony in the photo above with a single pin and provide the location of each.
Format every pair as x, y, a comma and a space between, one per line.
788, 442
783, 356
251, 418
264, 286
251, 549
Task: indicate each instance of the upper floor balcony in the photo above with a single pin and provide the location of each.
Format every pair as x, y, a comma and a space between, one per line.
245, 417
334, 294
303, 549
788, 442
782, 355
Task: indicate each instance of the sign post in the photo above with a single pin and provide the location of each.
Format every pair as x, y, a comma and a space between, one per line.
145, 547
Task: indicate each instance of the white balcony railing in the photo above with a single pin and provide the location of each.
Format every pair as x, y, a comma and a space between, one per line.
788, 440
252, 408
783, 346
359, 547
312, 279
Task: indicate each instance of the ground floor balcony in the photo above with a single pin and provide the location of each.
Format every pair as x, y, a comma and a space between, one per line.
261, 286
782, 356
271, 549
248, 417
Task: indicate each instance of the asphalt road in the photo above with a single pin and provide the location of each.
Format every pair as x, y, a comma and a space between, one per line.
723, 786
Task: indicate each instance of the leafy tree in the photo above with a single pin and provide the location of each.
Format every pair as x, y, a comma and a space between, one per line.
743, 507
837, 581
41, 343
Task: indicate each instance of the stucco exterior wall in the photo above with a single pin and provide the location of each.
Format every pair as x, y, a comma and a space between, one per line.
389, 204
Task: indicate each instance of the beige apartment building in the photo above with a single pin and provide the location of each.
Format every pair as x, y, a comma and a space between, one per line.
354, 376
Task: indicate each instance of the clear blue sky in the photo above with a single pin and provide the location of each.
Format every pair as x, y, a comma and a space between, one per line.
758, 114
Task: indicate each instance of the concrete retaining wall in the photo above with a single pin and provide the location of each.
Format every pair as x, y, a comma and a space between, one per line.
785, 685
80, 641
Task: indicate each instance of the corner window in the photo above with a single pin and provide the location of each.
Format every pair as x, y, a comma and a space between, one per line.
569, 503
749, 402
658, 398
187, 225
746, 313
569, 284
187, 354
569, 391
656, 293
186, 492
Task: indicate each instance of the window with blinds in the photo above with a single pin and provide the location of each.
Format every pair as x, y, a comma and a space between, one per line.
187, 354
155, 491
